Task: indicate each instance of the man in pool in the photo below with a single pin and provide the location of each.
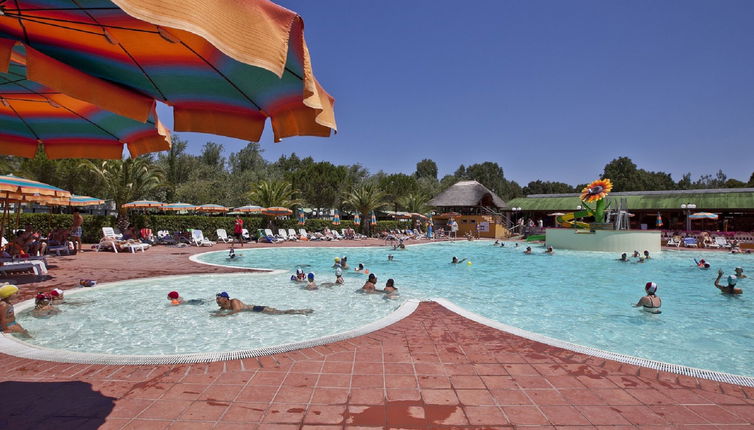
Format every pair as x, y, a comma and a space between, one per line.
235, 306
8, 322
550, 250
455, 260
623, 258
650, 303
731, 287
310, 284
740, 273
527, 250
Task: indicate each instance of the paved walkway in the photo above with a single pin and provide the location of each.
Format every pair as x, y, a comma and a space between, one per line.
434, 369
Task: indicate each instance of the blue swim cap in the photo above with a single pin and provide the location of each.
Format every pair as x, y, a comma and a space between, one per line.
732, 280
310, 276
223, 294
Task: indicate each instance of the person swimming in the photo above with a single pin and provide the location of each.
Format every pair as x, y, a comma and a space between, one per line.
646, 254
231, 252
235, 306
390, 290
636, 254
497, 242
43, 307
702, 264
455, 260
527, 250
740, 273
344, 262
360, 268
8, 322
339, 276
390, 257
299, 276
651, 302
550, 250
176, 299
731, 287
311, 285
370, 286
623, 258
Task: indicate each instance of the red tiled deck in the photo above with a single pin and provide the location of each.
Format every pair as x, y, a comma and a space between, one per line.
434, 369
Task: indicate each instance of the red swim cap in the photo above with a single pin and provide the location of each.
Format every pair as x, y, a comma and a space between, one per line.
54, 293
173, 295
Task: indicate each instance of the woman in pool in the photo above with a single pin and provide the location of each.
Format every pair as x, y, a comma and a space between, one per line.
235, 306
390, 290
646, 254
370, 286
455, 260
650, 303
527, 250
344, 262
311, 285
8, 322
337, 263
731, 287
43, 307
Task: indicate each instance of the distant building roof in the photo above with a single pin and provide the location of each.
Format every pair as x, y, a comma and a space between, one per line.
467, 193
723, 198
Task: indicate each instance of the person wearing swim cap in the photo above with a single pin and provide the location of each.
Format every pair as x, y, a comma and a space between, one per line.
57, 295
650, 303
43, 306
310, 284
636, 254
234, 306
702, 264
370, 286
176, 299
740, 273
337, 263
527, 250
731, 287
455, 260
8, 322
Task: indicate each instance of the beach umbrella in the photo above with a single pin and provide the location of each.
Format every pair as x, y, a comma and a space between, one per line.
357, 219
143, 204
373, 220
336, 218
249, 209
276, 211
556, 214
178, 207
212, 208
85, 201
37, 116
658, 221
301, 218
16, 189
225, 66
703, 215
417, 215
449, 215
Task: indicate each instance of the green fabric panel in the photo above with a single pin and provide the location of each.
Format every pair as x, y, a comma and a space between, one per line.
703, 201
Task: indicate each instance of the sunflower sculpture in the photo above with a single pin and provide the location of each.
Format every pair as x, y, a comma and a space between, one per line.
596, 192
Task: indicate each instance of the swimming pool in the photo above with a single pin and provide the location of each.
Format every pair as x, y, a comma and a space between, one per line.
575, 296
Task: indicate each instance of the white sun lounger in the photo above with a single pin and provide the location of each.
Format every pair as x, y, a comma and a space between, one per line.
222, 235
37, 266
268, 233
302, 233
292, 234
198, 239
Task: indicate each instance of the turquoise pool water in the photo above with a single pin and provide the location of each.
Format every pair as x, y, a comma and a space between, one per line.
581, 297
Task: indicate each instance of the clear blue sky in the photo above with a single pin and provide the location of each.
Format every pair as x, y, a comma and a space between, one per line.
550, 90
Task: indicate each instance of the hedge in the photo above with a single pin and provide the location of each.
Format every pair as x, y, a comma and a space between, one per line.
92, 227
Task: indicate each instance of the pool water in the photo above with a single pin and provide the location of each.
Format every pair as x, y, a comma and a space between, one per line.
576, 296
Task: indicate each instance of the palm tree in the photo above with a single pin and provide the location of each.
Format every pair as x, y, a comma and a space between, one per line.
365, 199
274, 193
126, 180
415, 203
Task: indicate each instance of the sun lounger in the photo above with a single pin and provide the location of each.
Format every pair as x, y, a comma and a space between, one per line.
36, 266
282, 234
722, 242
337, 235
690, 242
303, 235
198, 239
222, 235
112, 241
165, 238
673, 241
292, 234
245, 234
58, 249
265, 235
269, 234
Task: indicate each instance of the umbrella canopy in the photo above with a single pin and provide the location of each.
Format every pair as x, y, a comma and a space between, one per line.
703, 215
276, 211
301, 217
417, 215
556, 214
448, 215
336, 218
85, 201
13, 188
249, 209
373, 220
224, 66
143, 204
33, 114
178, 207
658, 221
212, 208
357, 219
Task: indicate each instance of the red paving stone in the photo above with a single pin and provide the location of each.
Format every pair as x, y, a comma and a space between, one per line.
434, 369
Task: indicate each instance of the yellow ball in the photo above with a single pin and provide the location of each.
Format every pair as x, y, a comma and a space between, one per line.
468, 263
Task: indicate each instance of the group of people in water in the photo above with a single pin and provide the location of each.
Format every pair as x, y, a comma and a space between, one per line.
340, 264
45, 305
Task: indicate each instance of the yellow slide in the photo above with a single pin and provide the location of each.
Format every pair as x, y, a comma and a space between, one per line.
567, 220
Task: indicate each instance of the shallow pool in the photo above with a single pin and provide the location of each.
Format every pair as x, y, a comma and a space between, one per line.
581, 297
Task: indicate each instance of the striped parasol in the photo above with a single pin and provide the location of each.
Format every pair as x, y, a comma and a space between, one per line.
276, 211
143, 204
373, 220
658, 221
14, 188
703, 215
301, 217
211, 208
85, 201
178, 207
336, 218
357, 219
249, 209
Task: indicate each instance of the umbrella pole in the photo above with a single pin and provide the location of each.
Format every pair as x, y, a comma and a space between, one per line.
18, 215
5, 215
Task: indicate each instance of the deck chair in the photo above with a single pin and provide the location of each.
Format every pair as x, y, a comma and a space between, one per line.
266, 236
292, 234
198, 239
690, 242
36, 266
722, 242
245, 234
302, 234
336, 235
268, 233
59, 249
165, 238
673, 242
108, 239
222, 235
283, 234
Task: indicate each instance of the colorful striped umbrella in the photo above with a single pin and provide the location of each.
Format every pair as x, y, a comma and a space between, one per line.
357, 219
212, 208
21, 189
85, 201
301, 217
33, 115
373, 220
224, 66
703, 215
143, 204
178, 207
249, 209
658, 221
336, 218
276, 211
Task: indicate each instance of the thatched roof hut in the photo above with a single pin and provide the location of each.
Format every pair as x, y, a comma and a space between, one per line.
465, 196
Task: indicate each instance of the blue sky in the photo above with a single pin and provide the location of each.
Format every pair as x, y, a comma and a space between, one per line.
550, 90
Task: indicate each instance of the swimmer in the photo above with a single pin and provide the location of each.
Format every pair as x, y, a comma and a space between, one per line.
344, 262
311, 285
370, 286
337, 263
231, 252
623, 257
516, 245
502, 244
8, 322
646, 254
360, 268
650, 303
527, 250
390, 257
235, 306
57, 295
641, 260
740, 273
550, 250
455, 260
43, 306
702, 264
176, 299
497, 242
87, 282
339, 276
299, 276
731, 287
390, 290
636, 254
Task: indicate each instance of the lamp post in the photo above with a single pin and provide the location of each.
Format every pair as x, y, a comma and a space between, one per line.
515, 211
687, 207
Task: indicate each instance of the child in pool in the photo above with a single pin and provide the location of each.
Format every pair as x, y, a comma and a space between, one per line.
43, 307
390, 290
176, 299
311, 285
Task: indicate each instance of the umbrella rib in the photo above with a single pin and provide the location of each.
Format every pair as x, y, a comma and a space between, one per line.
36, 136
21, 24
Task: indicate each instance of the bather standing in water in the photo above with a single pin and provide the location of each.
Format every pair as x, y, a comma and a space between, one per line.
650, 303
550, 250
731, 287
370, 286
235, 306
623, 258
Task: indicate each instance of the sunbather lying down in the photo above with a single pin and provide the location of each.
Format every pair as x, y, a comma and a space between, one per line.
235, 306
123, 245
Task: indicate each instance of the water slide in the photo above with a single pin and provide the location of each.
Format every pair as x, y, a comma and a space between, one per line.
567, 220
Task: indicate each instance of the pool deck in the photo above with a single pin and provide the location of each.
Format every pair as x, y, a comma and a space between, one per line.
433, 369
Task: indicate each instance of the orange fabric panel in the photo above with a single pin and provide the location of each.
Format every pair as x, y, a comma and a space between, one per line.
21, 148
241, 126
76, 150
147, 145
297, 122
6, 48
